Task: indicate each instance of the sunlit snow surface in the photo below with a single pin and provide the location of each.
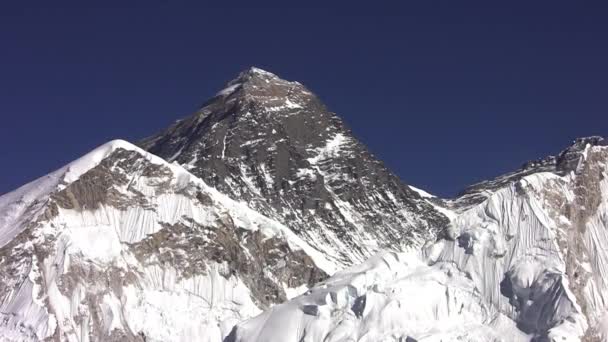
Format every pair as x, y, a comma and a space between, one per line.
390, 297
38, 299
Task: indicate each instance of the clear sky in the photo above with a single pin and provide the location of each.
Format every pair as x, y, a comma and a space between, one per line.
447, 93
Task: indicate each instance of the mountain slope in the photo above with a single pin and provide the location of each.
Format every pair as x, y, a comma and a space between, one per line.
273, 144
525, 262
120, 245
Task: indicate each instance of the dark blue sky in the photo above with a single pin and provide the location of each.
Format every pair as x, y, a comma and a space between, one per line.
446, 92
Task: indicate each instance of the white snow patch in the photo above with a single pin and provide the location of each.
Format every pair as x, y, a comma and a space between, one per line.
98, 243
331, 149
228, 90
291, 105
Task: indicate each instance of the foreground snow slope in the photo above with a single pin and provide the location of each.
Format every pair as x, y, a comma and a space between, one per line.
120, 245
526, 262
390, 297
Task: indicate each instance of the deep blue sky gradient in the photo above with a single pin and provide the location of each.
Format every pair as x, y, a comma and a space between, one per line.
446, 92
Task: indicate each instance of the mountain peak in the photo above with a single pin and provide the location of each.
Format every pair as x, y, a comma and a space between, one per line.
255, 81
255, 73
273, 144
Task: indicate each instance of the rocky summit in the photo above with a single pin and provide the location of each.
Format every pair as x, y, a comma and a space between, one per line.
261, 217
272, 144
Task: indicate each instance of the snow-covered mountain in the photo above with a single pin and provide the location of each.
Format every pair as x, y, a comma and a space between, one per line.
262, 218
273, 144
120, 245
124, 245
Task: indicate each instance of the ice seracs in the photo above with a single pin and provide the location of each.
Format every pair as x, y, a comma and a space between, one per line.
390, 297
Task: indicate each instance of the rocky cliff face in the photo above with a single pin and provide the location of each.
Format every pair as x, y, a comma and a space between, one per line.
272, 144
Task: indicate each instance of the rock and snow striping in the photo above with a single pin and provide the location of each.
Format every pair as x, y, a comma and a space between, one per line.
125, 246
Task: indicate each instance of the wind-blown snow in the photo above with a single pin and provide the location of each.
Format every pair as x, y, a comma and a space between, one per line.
228, 90
421, 192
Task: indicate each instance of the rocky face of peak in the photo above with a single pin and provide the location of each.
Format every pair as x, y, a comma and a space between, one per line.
572, 157
273, 144
257, 83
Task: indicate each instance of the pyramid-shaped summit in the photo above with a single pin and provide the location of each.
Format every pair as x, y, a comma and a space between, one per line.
253, 72
273, 144
264, 88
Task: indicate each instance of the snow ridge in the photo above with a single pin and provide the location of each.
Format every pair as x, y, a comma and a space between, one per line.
115, 234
